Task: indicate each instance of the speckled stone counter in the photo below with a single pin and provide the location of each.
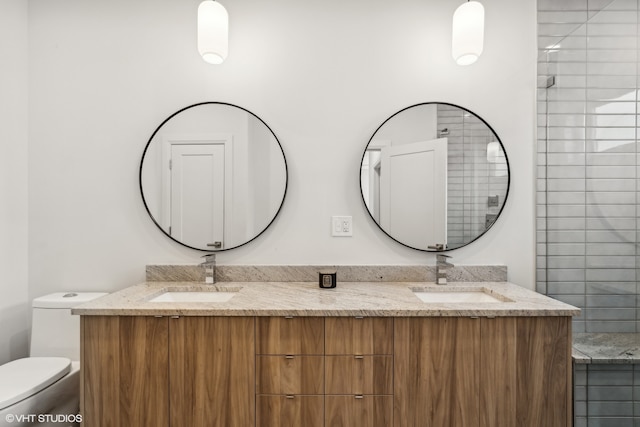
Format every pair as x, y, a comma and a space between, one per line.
309, 273
606, 348
392, 299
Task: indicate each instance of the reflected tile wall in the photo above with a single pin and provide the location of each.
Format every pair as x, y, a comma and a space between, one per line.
588, 160
471, 178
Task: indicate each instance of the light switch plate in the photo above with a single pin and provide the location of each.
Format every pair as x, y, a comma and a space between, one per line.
341, 226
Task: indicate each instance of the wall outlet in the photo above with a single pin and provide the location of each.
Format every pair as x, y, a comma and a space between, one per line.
341, 226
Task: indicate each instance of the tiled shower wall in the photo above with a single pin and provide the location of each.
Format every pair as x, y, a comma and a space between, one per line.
588, 171
606, 395
472, 178
588, 160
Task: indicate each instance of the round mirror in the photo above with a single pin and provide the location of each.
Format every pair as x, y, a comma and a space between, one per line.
213, 176
434, 176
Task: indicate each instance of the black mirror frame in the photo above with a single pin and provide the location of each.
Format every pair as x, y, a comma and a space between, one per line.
506, 197
286, 171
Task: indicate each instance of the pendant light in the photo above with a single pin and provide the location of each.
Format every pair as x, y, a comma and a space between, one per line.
213, 32
468, 33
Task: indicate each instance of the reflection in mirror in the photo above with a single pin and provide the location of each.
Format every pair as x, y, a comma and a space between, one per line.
213, 176
434, 174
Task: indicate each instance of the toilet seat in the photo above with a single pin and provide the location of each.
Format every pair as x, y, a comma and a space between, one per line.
25, 377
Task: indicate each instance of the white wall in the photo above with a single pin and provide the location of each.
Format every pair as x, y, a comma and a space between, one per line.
14, 307
323, 75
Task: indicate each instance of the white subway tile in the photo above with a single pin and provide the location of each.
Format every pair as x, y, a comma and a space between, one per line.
603, 184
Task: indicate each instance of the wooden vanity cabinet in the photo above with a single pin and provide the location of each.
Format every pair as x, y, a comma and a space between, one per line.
160, 371
212, 371
333, 371
436, 372
359, 372
482, 372
290, 371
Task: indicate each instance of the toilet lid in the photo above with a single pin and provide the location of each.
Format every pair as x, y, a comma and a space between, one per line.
22, 378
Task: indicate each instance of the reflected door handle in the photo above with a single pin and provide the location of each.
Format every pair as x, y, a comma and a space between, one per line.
215, 245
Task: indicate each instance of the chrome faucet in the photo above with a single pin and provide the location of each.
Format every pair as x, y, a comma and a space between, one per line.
442, 265
209, 266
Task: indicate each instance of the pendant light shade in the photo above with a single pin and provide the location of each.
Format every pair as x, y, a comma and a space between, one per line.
213, 32
468, 33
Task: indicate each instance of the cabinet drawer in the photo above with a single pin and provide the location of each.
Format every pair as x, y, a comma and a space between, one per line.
350, 335
359, 411
290, 411
290, 375
359, 375
296, 335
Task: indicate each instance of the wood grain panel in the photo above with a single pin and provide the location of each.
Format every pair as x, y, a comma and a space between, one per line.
212, 371
368, 335
144, 375
436, 372
498, 372
82, 369
290, 375
290, 411
298, 335
363, 411
101, 371
359, 375
543, 359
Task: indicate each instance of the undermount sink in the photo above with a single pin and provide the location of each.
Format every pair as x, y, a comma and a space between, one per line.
457, 296
200, 295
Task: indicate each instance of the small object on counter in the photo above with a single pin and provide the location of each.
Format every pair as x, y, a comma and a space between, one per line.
327, 279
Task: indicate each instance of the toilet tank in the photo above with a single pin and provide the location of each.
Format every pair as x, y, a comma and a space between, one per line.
54, 330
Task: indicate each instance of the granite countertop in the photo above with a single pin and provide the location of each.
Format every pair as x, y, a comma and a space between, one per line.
606, 348
391, 299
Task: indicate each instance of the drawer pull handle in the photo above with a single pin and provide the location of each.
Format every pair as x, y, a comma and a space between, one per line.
175, 317
358, 356
289, 396
288, 317
359, 396
359, 317
289, 356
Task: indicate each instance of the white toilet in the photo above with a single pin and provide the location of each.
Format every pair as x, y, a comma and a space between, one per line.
43, 389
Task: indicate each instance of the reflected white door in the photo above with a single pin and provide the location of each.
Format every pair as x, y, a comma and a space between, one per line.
413, 192
197, 194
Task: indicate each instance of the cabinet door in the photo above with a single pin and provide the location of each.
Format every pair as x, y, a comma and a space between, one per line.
290, 375
290, 335
544, 371
359, 375
212, 371
124, 371
290, 411
436, 372
498, 372
363, 335
359, 411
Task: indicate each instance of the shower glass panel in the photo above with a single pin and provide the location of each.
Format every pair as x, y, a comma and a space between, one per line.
587, 188
588, 161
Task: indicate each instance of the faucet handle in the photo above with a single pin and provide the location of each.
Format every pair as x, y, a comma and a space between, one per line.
437, 247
